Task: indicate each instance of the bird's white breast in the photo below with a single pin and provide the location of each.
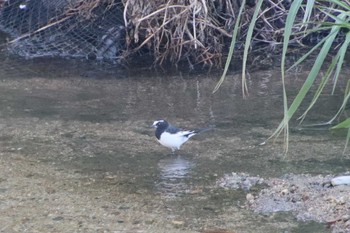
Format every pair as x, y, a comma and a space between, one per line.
173, 141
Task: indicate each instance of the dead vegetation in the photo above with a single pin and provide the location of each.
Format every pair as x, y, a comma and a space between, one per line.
179, 30
200, 31
197, 32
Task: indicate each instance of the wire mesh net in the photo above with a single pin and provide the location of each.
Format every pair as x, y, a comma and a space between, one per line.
170, 31
64, 28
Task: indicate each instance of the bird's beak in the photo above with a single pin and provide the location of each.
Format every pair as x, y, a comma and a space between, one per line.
153, 126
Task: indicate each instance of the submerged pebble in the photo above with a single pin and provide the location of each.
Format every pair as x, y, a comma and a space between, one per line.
239, 181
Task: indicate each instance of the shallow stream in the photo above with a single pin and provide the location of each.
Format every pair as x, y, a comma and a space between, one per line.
91, 123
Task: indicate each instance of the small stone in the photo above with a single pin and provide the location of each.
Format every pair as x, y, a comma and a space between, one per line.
284, 192
250, 197
58, 218
149, 222
347, 224
136, 222
195, 191
305, 197
177, 222
341, 200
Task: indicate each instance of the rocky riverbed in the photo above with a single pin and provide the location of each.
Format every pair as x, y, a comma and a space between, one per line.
307, 197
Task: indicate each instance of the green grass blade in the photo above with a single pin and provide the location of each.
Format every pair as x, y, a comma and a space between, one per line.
232, 47
313, 49
308, 11
287, 33
337, 61
343, 125
312, 75
347, 141
345, 101
247, 45
339, 21
308, 82
321, 86
339, 3
342, 51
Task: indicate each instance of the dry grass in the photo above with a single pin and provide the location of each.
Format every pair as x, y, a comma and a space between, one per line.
179, 30
174, 31
199, 31
85, 8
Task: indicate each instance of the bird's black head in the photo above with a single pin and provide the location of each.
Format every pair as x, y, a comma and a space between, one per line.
160, 124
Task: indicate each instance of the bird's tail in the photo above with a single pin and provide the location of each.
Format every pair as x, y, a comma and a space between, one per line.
197, 131
201, 130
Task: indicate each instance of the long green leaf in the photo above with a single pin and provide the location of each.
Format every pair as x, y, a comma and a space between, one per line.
343, 124
287, 33
320, 88
347, 141
342, 51
339, 3
248, 40
311, 77
345, 101
232, 47
338, 61
308, 11
300, 60
308, 82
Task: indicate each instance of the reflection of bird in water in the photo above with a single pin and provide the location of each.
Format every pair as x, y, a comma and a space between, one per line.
171, 136
174, 167
174, 172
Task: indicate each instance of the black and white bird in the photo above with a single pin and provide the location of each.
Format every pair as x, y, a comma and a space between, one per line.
171, 136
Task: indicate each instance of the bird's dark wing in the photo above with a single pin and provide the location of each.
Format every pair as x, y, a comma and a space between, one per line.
172, 129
